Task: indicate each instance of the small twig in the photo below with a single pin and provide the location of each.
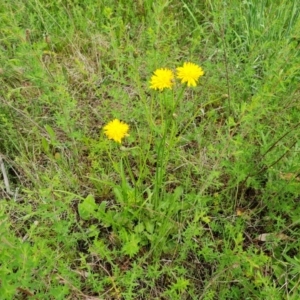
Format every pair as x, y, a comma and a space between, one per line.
5, 178
26, 292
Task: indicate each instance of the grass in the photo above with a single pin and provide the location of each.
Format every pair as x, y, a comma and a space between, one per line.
201, 201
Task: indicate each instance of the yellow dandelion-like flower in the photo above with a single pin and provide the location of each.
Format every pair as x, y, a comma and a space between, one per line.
189, 73
162, 78
116, 130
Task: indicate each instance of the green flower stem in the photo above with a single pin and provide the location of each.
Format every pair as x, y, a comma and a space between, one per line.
163, 152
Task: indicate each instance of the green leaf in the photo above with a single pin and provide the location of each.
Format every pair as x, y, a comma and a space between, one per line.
51, 133
131, 247
45, 145
149, 226
139, 228
181, 284
87, 209
118, 193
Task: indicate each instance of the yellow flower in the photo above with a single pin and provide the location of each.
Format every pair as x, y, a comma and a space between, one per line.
189, 73
116, 130
162, 78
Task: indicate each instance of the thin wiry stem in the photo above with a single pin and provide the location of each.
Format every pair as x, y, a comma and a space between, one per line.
5, 178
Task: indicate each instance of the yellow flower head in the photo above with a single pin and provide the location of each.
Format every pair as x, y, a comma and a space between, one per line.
162, 78
189, 73
116, 130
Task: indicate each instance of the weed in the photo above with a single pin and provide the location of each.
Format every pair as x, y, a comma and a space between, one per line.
133, 172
